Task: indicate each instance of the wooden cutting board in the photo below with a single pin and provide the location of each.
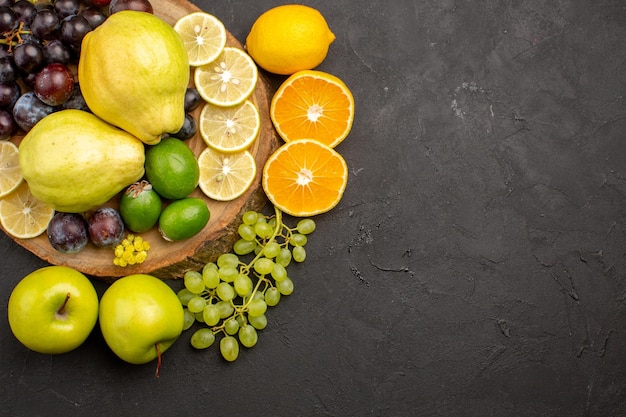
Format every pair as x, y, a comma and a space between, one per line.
168, 260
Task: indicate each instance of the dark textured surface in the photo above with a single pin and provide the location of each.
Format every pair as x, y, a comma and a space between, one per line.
475, 266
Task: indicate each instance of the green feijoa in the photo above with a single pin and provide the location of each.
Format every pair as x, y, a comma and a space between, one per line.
140, 207
172, 168
183, 218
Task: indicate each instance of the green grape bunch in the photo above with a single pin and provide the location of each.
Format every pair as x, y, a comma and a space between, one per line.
231, 295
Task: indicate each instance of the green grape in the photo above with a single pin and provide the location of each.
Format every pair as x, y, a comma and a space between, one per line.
225, 291
246, 232
228, 273
240, 319
285, 287
264, 266
211, 314
298, 239
202, 338
279, 272
263, 230
299, 254
199, 317
189, 317
196, 304
184, 295
271, 249
231, 326
257, 308
244, 247
248, 335
243, 285
260, 218
272, 222
210, 277
258, 296
225, 309
193, 281
306, 226
228, 259
272, 296
284, 257
229, 348
259, 322
250, 217
210, 265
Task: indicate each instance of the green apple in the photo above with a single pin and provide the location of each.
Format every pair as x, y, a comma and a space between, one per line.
140, 318
53, 309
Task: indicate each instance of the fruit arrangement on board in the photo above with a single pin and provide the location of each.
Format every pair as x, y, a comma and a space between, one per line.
104, 98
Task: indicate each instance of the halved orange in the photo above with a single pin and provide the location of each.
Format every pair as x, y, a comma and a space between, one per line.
305, 177
313, 105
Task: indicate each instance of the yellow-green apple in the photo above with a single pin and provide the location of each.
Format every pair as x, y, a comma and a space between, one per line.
140, 318
53, 309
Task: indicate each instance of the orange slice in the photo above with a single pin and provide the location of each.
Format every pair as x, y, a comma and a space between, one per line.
305, 177
313, 105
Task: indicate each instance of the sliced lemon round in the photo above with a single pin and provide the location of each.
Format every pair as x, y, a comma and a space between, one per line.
228, 80
10, 171
203, 35
224, 177
22, 215
229, 129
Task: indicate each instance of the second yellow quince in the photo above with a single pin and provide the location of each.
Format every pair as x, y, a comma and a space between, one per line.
133, 72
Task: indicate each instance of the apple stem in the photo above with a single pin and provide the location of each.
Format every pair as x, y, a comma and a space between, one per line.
158, 369
61, 310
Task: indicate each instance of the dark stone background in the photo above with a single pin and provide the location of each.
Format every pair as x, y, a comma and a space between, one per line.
475, 266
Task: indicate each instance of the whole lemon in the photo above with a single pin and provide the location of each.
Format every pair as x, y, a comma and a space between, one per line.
289, 38
134, 73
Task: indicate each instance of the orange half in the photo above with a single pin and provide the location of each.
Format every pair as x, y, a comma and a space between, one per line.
305, 177
313, 105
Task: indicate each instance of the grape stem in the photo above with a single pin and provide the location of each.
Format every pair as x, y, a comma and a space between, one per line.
158, 368
277, 229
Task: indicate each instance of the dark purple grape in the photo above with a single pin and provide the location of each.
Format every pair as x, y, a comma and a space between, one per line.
8, 127
73, 30
8, 19
28, 57
28, 110
76, 101
94, 16
54, 84
192, 100
106, 227
8, 3
25, 11
46, 24
138, 5
67, 232
99, 3
8, 70
9, 93
189, 128
66, 8
56, 51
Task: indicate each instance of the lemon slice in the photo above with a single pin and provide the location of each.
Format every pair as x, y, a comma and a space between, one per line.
203, 35
10, 171
229, 129
228, 80
22, 215
224, 177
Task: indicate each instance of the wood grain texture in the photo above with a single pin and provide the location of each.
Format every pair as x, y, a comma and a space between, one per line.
170, 260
